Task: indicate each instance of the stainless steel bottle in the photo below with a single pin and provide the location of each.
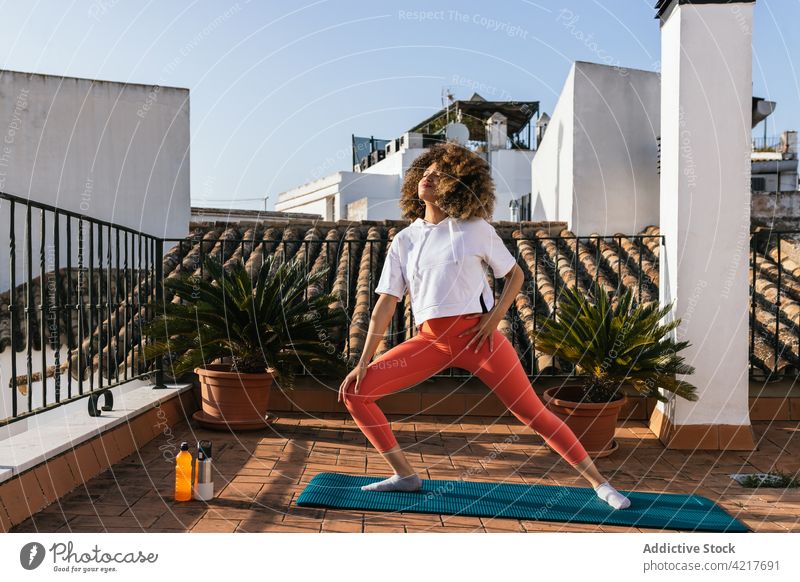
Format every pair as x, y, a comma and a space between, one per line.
203, 481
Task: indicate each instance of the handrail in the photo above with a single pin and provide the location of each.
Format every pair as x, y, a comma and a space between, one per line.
114, 277
89, 300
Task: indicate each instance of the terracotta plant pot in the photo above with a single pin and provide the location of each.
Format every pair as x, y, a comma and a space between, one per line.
233, 399
593, 423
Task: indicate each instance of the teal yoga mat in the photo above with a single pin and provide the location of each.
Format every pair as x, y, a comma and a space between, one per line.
519, 501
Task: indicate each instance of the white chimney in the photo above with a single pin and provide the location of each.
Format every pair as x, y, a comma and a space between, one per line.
497, 131
706, 114
513, 210
789, 144
541, 127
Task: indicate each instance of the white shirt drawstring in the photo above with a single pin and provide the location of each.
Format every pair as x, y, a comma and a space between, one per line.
452, 244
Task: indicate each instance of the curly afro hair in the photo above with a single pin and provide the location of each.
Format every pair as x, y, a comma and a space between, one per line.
464, 190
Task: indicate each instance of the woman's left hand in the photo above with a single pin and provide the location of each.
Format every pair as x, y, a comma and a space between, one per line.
483, 330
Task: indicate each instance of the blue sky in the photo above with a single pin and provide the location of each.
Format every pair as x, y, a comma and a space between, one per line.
277, 88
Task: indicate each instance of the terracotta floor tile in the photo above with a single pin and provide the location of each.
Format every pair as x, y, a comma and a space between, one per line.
215, 525
343, 526
459, 520
177, 520
73, 508
45, 523
311, 527
103, 522
384, 528
498, 524
258, 477
415, 529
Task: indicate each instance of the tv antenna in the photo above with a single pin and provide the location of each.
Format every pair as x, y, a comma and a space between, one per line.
447, 96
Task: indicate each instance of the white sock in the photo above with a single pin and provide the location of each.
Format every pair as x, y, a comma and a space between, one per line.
611, 496
395, 483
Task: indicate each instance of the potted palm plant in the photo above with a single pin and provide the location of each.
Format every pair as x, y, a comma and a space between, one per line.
610, 347
239, 338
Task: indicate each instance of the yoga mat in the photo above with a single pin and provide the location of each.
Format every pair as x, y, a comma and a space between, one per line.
518, 501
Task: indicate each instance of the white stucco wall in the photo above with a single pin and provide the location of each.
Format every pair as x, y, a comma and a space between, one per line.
617, 121
111, 151
597, 164
381, 183
383, 191
511, 172
705, 202
551, 168
395, 164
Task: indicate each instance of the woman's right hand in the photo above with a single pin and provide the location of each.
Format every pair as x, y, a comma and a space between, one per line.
356, 374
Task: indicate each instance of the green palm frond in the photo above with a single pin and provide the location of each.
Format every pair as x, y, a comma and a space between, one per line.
616, 344
270, 324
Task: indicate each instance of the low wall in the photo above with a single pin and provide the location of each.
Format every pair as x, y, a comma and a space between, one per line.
37, 487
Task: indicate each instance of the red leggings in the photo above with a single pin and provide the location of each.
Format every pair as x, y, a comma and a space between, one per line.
437, 347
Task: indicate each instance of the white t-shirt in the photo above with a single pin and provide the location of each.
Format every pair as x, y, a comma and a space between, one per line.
441, 265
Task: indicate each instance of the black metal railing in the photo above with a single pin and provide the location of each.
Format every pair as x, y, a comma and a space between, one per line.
620, 261
774, 303
550, 262
767, 144
76, 287
83, 288
76, 291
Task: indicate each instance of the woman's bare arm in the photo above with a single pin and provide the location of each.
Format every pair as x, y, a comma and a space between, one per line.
379, 320
514, 281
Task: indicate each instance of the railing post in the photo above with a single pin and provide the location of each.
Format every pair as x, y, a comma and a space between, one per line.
13, 313
159, 277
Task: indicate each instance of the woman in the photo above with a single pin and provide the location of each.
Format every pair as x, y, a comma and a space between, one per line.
449, 193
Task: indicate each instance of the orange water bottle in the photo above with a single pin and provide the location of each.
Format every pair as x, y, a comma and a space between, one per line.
183, 473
